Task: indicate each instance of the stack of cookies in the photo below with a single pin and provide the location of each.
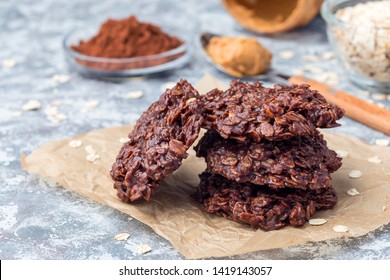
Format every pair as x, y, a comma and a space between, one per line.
267, 164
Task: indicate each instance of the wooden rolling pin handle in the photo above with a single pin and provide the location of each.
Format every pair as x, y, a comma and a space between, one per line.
355, 108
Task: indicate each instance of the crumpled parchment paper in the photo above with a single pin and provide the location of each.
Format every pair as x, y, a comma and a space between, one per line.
175, 215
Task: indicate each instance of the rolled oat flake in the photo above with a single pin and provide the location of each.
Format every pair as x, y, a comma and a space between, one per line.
340, 228
374, 159
75, 143
353, 192
382, 142
32, 105
143, 249
122, 236
355, 174
317, 222
135, 94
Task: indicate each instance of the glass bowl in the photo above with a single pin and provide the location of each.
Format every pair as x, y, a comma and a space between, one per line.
101, 67
363, 49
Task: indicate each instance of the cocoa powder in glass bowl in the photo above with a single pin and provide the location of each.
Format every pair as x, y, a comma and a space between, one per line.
126, 47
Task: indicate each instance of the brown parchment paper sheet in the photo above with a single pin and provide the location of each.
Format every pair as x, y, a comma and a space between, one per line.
173, 214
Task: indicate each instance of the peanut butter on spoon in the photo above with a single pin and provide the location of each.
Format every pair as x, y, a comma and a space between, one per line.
239, 56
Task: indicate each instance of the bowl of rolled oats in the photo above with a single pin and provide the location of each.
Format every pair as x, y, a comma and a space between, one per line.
359, 31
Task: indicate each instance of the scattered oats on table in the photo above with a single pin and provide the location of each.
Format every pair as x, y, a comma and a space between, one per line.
61, 117
374, 159
330, 78
317, 222
286, 54
9, 63
311, 58
340, 228
379, 96
353, 192
381, 105
382, 142
134, 94
91, 104
365, 93
16, 114
143, 249
56, 102
32, 105
53, 115
328, 55
92, 155
75, 143
122, 236
51, 111
312, 69
61, 78
355, 174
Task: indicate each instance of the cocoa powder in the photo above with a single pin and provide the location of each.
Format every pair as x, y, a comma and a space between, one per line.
127, 38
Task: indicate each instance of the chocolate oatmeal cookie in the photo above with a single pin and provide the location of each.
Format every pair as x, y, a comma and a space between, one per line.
158, 143
251, 111
299, 162
259, 206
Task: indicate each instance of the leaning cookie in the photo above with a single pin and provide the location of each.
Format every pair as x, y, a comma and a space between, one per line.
251, 111
158, 143
259, 206
299, 162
